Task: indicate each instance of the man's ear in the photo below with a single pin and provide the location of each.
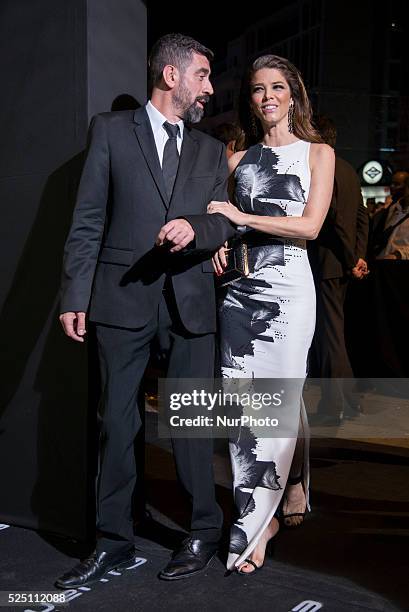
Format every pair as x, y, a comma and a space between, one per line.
170, 76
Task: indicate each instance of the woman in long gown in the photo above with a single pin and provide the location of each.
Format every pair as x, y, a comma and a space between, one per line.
283, 184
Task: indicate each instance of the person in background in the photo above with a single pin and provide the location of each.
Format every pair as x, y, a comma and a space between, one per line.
397, 189
231, 135
373, 207
390, 233
337, 256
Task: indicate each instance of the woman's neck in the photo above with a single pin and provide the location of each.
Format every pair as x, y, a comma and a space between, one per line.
277, 136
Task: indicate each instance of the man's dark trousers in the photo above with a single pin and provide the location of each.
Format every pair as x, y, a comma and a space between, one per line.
124, 354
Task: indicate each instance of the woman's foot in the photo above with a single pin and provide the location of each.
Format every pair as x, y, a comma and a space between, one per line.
259, 553
294, 505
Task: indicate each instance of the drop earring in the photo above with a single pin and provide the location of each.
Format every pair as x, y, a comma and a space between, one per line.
291, 117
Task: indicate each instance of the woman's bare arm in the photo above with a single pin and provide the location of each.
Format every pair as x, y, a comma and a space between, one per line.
322, 164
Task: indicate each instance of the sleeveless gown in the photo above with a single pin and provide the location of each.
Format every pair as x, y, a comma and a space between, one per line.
267, 322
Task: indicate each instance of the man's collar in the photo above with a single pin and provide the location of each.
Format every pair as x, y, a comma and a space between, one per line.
157, 119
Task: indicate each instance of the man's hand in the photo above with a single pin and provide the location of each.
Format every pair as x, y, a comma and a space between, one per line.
360, 270
219, 259
178, 232
74, 325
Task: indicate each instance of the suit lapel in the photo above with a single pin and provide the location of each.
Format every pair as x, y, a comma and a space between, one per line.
188, 155
144, 135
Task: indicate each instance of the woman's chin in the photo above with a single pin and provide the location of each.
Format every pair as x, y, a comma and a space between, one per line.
268, 122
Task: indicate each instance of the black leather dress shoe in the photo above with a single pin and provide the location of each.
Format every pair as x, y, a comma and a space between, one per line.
193, 557
94, 567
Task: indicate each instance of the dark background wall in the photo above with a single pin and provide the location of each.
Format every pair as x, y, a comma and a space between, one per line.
60, 65
116, 43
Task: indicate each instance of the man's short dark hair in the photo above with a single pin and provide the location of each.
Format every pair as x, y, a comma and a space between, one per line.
176, 50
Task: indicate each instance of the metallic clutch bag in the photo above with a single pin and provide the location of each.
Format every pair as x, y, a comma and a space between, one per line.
237, 263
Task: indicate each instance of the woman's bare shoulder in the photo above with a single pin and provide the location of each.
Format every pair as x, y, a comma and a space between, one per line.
321, 153
321, 150
235, 159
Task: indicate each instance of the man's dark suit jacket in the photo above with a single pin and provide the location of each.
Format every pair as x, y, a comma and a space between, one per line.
344, 235
111, 267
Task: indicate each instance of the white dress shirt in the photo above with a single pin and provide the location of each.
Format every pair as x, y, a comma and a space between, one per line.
159, 133
399, 239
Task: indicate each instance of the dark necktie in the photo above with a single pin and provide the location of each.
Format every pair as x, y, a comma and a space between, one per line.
170, 160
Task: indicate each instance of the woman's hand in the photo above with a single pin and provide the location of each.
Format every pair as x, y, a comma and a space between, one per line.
219, 259
228, 210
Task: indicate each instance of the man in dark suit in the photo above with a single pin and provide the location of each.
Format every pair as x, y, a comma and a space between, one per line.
337, 255
137, 259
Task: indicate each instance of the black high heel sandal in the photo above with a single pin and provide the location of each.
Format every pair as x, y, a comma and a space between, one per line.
250, 562
269, 552
294, 481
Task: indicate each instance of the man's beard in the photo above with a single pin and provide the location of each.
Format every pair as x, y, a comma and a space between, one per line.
191, 113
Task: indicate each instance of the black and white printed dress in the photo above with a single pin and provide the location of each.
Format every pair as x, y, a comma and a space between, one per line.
267, 322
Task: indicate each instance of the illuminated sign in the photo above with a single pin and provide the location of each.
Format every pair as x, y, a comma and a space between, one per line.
372, 172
